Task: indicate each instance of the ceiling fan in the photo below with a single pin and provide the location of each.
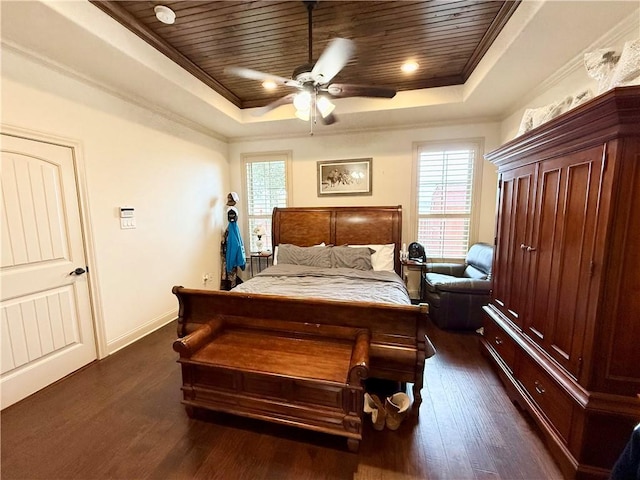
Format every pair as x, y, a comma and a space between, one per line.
312, 80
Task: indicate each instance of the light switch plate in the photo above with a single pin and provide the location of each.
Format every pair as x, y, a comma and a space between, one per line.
127, 223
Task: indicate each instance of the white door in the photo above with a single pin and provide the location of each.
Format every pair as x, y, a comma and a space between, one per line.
47, 324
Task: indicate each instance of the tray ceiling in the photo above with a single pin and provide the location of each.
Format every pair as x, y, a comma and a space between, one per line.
446, 38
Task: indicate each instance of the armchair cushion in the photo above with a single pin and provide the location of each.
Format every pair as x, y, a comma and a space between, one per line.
444, 283
479, 261
457, 292
473, 272
449, 269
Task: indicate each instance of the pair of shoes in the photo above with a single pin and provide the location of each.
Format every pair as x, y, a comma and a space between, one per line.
374, 406
391, 413
396, 407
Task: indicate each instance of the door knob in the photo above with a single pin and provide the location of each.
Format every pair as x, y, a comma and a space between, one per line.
78, 271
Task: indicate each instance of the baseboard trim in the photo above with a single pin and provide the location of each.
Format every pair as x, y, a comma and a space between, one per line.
142, 331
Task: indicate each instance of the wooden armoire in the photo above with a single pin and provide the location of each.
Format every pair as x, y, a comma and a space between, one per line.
563, 324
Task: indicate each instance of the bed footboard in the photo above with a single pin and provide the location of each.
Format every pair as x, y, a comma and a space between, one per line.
398, 347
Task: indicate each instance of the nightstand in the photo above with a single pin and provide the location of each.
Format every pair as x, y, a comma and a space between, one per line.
415, 265
261, 261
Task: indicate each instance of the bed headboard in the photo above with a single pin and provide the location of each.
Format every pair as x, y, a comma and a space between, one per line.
307, 226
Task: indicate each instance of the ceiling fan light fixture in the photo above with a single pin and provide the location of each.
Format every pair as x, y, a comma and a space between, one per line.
312, 102
325, 106
409, 67
165, 14
302, 101
304, 115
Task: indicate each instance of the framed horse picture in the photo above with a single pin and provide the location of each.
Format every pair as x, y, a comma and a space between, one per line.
344, 177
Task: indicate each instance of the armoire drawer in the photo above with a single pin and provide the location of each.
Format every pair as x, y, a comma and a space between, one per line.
554, 403
500, 341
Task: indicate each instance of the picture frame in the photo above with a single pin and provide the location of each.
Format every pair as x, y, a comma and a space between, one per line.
345, 177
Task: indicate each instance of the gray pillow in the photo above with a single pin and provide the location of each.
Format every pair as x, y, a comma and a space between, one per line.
308, 256
350, 257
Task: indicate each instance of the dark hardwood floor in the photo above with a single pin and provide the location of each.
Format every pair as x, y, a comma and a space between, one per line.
121, 418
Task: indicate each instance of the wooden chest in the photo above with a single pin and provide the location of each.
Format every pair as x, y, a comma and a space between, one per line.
309, 377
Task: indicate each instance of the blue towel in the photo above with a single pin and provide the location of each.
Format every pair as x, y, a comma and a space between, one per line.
235, 248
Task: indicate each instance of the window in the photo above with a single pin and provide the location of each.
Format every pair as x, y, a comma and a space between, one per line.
266, 182
445, 190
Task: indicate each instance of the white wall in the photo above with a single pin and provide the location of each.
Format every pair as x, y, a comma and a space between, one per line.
392, 153
175, 178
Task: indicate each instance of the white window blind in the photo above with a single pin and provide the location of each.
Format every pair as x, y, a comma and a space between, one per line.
445, 199
266, 187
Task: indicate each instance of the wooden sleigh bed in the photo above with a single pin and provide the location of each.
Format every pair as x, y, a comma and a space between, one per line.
385, 341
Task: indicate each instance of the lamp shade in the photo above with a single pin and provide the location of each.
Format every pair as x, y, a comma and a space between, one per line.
325, 106
302, 101
303, 115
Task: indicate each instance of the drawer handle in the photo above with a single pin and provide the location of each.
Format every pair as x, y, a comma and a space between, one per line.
499, 341
523, 246
539, 388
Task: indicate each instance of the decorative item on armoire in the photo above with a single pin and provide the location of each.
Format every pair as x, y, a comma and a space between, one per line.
232, 248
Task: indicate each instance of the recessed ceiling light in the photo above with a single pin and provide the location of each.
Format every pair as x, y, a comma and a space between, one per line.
269, 85
409, 67
165, 14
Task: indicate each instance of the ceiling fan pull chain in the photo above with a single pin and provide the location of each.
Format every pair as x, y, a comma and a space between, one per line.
312, 112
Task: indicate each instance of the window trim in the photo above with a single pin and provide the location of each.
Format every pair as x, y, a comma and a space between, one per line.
477, 143
280, 155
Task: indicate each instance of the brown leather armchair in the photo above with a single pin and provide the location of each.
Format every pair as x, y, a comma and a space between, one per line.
456, 292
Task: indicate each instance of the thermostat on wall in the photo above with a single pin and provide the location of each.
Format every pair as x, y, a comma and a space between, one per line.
127, 212
127, 218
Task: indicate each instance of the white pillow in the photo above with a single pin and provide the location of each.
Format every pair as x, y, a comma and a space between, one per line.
275, 252
383, 258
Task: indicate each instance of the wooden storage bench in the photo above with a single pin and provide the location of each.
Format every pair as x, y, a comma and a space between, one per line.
304, 375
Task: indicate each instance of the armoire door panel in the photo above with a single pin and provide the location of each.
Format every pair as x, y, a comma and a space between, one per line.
544, 277
501, 279
514, 232
566, 218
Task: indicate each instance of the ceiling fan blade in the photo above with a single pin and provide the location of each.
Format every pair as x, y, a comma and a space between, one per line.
332, 60
261, 76
286, 100
343, 90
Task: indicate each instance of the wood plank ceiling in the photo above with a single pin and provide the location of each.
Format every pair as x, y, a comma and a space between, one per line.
446, 38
